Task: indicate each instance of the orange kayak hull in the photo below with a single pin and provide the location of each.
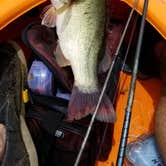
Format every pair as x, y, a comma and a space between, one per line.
156, 14
145, 101
12, 9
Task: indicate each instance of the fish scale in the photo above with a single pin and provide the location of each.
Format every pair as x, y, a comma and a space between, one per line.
81, 40
80, 29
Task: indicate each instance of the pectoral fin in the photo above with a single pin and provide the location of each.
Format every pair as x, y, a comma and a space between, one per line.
105, 63
60, 59
50, 13
112, 41
49, 16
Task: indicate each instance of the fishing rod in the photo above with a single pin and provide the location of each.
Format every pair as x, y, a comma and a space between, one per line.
126, 123
105, 85
122, 69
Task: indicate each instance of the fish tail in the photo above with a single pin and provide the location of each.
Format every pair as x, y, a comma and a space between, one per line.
83, 104
106, 111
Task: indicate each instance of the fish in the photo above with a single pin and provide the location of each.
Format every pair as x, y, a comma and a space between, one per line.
113, 35
160, 114
80, 29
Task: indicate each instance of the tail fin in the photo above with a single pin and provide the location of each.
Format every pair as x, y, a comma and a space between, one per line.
83, 104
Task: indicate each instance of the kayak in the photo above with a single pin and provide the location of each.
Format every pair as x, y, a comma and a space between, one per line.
155, 14
146, 97
147, 91
14, 9
11, 10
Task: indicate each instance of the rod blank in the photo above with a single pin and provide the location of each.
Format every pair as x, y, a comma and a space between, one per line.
126, 124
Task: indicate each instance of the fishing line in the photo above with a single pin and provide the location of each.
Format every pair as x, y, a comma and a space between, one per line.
104, 86
126, 54
122, 68
126, 123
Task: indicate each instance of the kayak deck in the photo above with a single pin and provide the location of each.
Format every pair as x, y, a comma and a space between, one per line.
146, 97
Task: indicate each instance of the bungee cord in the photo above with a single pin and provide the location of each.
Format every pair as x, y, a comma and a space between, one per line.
105, 85
128, 111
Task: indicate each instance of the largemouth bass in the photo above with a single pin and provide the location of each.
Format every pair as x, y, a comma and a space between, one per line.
80, 29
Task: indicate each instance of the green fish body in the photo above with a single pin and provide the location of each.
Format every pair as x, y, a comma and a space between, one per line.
81, 41
80, 29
